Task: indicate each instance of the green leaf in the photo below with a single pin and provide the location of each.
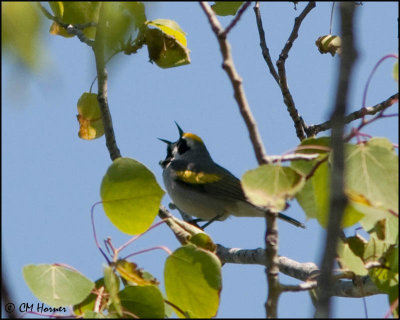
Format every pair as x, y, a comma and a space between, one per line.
350, 260
171, 28
227, 8
166, 43
396, 71
77, 12
131, 273
394, 299
271, 185
122, 22
373, 216
372, 171
20, 30
131, 195
310, 146
357, 244
137, 11
111, 281
387, 276
143, 301
314, 199
56, 285
203, 240
193, 281
88, 304
89, 117
94, 315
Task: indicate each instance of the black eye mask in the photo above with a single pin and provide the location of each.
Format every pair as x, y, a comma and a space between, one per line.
182, 146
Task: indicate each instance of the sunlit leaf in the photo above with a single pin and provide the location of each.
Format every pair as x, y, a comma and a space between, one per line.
131, 273
166, 43
131, 195
193, 281
57, 285
89, 117
329, 44
203, 240
226, 8
270, 186
351, 261
396, 71
143, 301
76, 12
20, 30
89, 303
315, 197
111, 282
372, 171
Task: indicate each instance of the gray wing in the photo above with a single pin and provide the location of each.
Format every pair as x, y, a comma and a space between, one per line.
228, 186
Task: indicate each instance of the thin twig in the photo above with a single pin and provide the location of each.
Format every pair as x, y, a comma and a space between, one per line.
315, 129
98, 49
263, 44
287, 97
330, 24
236, 81
338, 198
271, 238
236, 18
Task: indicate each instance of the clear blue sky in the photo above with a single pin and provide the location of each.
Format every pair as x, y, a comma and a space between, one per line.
51, 178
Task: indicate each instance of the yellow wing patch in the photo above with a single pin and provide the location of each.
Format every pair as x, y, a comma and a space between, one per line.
193, 136
197, 177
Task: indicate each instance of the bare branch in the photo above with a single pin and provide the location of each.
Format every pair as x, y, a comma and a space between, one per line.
293, 157
236, 81
287, 97
338, 199
301, 271
272, 268
181, 234
305, 286
236, 18
315, 129
263, 44
102, 75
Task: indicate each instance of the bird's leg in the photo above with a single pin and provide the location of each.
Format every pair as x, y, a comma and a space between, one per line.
211, 221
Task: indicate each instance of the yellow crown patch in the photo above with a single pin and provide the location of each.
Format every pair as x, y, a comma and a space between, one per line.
192, 136
197, 177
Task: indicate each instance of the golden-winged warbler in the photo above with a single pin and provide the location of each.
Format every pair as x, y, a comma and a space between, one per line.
199, 187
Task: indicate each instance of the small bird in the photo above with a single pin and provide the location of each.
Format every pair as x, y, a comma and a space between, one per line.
199, 187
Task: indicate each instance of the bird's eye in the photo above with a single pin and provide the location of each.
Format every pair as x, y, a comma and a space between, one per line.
182, 146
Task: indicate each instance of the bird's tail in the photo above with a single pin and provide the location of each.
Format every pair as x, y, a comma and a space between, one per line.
291, 220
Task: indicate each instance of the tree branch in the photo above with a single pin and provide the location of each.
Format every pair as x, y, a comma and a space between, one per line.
302, 271
98, 50
338, 199
272, 268
287, 97
315, 129
263, 44
236, 18
237, 85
